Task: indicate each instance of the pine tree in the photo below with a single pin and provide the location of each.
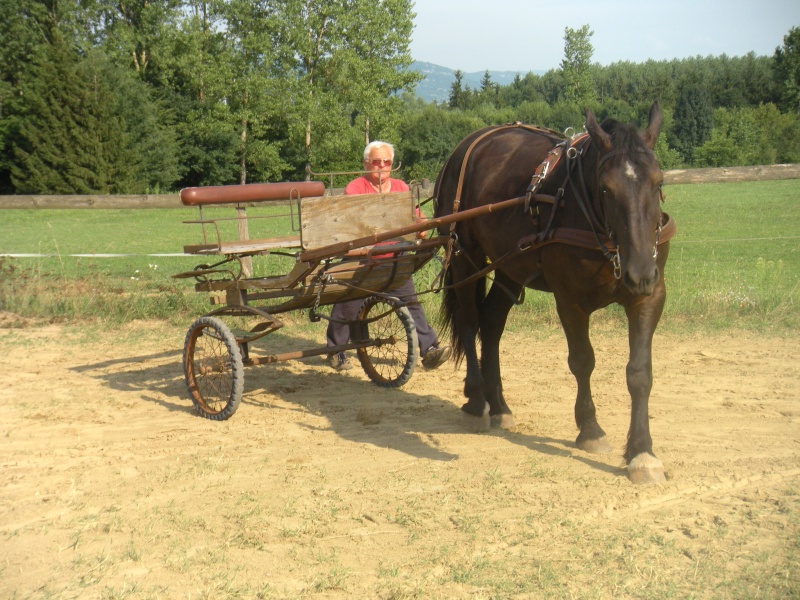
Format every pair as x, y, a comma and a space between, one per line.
456, 99
786, 67
19, 42
70, 141
693, 120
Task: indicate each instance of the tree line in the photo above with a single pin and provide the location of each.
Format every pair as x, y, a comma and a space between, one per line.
149, 96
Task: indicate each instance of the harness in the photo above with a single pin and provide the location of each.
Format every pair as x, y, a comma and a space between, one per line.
600, 236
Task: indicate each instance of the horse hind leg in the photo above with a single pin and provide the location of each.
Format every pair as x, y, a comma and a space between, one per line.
493, 316
475, 412
462, 304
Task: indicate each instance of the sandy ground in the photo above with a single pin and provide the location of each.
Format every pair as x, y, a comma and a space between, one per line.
324, 485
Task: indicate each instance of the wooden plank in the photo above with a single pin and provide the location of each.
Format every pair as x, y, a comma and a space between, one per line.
334, 219
733, 174
244, 246
244, 235
95, 201
677, 176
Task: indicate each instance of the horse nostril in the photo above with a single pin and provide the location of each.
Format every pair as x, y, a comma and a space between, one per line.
641, 285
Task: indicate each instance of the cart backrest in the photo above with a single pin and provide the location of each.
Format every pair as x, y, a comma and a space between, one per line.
329, 220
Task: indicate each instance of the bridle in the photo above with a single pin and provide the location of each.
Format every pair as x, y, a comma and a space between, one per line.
597, 222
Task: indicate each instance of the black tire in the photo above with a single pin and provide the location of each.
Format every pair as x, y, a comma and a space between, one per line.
391, 362
212, 364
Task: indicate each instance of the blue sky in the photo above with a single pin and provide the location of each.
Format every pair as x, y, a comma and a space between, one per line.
528, 35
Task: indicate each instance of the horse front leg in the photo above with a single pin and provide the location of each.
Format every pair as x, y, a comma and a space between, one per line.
575, 322
493, 315
643, 317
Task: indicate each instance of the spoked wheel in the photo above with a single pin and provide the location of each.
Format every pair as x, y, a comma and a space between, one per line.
391, 361
213, 367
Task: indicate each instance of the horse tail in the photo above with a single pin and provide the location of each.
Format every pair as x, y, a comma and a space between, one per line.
448, 313
445, 194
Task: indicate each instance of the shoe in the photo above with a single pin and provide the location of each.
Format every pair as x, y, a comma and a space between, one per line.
436, 356
339, 362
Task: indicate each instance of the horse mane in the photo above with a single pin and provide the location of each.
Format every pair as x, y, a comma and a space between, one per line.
626, 140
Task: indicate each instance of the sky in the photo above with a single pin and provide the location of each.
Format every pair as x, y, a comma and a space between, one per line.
528, 35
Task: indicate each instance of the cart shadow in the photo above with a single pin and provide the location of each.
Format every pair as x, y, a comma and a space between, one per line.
353, 407
160, 383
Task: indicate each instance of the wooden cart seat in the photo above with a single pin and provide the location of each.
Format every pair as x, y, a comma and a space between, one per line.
245, 246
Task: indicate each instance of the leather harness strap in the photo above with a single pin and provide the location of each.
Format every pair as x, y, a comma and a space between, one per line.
451, 249
586, 239
477, 140
546, 166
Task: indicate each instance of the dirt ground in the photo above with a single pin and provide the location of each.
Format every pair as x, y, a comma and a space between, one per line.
324, 485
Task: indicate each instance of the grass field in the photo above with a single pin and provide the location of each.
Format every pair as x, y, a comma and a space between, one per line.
735, 261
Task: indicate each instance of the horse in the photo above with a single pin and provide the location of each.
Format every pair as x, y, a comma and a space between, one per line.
588, 228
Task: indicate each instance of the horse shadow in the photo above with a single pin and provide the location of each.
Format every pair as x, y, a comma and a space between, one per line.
383, 417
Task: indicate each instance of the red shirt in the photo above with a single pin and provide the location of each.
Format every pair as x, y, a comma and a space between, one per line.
361, 185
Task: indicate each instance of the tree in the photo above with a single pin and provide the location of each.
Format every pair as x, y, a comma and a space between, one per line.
350, 62
786, 68
693, 120
250, 83
70, 141
135, 34
20, 42
456, 99
576, 66
149, 126
750, 136
486, 81
429, 135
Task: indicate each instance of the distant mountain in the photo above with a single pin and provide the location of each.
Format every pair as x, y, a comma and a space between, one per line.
437, 82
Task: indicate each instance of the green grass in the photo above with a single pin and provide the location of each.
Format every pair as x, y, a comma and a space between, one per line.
736, 258
735, 261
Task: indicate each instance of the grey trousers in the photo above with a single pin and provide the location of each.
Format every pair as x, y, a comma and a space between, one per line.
339, 333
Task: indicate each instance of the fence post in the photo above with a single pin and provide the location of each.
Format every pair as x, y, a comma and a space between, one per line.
244, 234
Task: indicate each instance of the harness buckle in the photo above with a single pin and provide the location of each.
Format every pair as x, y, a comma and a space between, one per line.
617, 266
658, 237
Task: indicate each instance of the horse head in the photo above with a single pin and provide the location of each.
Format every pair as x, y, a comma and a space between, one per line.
625, 184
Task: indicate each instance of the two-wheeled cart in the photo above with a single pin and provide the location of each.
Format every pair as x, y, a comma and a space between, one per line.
342, 247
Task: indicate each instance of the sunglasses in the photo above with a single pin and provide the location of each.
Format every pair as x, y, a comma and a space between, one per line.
377, 162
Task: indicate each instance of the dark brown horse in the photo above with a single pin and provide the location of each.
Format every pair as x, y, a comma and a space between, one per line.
592, 233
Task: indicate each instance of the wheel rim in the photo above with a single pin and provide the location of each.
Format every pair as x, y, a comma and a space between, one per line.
391, 361
212, 364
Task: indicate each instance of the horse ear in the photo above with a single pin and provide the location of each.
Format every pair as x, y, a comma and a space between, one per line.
650, 135
600, 137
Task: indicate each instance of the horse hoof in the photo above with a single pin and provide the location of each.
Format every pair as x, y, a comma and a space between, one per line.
503, 421
596, 446
473, 423
646, 468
